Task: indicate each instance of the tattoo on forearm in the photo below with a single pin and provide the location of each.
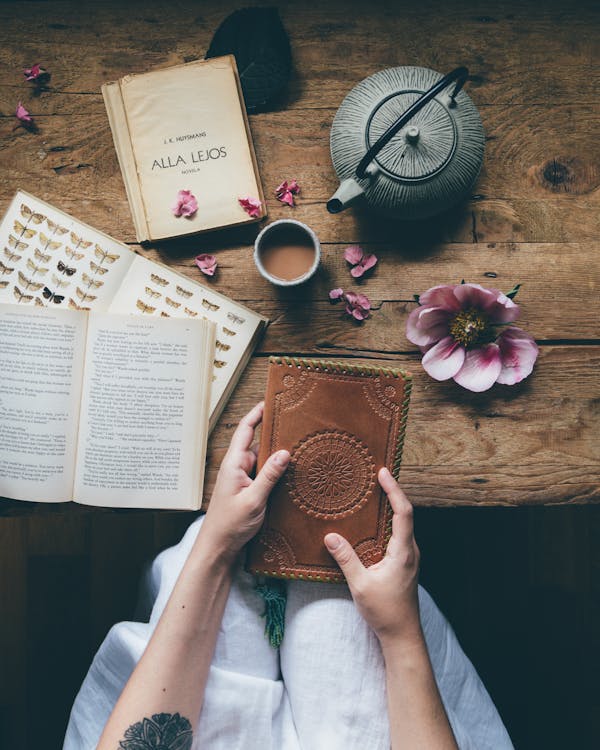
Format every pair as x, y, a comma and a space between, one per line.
164, 731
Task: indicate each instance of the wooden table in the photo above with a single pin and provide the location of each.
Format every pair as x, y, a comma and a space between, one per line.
533, 217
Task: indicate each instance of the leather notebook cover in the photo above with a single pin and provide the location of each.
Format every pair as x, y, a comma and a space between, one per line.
341, 424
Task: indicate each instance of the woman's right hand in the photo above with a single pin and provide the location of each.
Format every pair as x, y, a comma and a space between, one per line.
386, 593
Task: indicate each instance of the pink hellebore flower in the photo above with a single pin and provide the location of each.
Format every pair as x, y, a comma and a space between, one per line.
23, 115
206, 263
36, 73
455, 326
360, 260
252, 206
185, 204
357, 305
286, 191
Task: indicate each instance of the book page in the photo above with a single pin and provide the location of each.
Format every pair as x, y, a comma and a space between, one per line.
155, 291
41, 367
188, 132
49, 259
144, 412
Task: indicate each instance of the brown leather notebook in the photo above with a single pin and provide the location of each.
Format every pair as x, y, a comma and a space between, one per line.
341, 424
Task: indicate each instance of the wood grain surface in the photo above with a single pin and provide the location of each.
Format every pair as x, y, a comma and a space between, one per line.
519, 585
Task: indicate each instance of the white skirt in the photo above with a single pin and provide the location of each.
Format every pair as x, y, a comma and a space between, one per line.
324, 689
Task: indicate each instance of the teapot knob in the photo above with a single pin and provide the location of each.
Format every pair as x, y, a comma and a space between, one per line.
412, 134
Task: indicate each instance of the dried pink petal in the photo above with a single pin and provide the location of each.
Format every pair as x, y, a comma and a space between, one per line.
23, 115
206, 263
336, 294
353, 254
252, 206
185, 204
36, 73
357, 305
286, 190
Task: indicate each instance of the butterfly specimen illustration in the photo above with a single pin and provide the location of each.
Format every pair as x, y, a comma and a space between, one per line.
235, 318
37, 301
228, 331
21, 296
157, 280
209, 305
104, 255
3, 284
28, 283
39, 255
78, 242
189, 312
74, 306
141, 305
10, 255
172, 303
48, 243
64, 269
5, 270
61, 283
17, 244
36, 269
219, 363
222, 347
163, 314
52, 296
151, 293
84, 295
28, 214
70, 253
23, 231
183, 292
97, 269
55, 228
93, 283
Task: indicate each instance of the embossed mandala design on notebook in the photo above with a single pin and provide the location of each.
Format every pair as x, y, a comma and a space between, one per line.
341, 424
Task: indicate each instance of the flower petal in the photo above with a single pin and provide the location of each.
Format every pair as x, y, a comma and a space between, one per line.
293, 187
336, 294
444, 359
474, 295
22, 114
519, 352
368, 261
480, 369
363, 301
427, 325
185, 204
504, 310
441, 296
206, 263
252, 206
353, 254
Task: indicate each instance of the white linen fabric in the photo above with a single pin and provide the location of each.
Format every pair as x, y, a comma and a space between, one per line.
323, 690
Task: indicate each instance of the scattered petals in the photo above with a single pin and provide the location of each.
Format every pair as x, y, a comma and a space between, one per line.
519, 353
252, 206
353, 254
286, 191
23, 115
185, 204
336, 294
36, 73
360, 260
206, 263
357, 305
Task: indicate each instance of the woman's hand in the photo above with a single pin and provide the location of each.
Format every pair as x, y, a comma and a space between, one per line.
386, 593
237, 505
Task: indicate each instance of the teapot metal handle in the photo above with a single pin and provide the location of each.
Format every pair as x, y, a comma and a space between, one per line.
459, 75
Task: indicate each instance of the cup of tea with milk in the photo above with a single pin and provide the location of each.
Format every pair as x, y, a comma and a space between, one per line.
287, 252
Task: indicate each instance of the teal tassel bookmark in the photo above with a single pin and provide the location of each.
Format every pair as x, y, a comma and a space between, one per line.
274, 594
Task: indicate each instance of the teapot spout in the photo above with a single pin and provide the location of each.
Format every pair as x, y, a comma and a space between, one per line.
347, 192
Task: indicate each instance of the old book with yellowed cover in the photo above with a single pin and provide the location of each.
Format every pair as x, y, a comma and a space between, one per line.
184, 128
341, 424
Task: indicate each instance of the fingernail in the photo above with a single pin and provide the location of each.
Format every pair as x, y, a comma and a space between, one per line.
281, 458
332, 541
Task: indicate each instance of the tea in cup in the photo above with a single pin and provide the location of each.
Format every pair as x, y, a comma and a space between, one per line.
287, 252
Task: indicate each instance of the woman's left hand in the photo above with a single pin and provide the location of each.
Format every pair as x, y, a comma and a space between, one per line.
237, 506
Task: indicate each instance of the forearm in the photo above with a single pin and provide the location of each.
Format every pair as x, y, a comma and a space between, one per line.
171, 676
416, 712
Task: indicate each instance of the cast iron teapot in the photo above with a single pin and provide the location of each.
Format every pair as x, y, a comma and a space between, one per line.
406, 143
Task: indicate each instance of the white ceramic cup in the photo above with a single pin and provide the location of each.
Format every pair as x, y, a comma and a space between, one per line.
259, 242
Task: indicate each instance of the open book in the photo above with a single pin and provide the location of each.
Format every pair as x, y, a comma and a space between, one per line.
103, 409
48, 258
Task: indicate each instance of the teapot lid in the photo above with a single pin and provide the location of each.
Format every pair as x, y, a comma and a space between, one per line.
423, 147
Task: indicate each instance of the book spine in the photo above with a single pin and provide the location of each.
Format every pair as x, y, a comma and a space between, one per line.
117, 118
